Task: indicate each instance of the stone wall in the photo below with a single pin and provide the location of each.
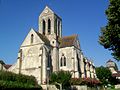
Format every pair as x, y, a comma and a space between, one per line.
72, 62
117, 86
85, 87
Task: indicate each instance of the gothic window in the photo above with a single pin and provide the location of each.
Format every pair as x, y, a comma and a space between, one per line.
58, 28
49, 59
44, 25
63, 61
55, 26
20, 53
85, 69
32, 38
49, 26
78, 62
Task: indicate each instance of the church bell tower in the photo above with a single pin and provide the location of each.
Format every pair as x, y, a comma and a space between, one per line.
50, 25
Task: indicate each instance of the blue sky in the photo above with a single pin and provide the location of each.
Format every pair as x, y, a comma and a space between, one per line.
82, 17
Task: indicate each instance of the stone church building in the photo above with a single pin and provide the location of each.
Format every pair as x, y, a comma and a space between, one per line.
46, 51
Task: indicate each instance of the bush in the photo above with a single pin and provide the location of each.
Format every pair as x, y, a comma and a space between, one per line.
84, 81
9, 76
10, 84
61, 77
76, 81
12, 80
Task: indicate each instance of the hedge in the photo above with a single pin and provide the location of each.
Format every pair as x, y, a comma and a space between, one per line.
12, 80
11, 84
9, 76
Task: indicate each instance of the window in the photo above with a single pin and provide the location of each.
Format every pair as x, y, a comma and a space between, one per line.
53, 42
78, 62
49, 26
44, 27
58, 28
55, 30
32, 38
63, 61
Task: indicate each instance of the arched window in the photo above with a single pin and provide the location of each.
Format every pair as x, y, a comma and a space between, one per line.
44, 25
55, 30
63, 61
78, 62
32, 38
49, 26
58, 28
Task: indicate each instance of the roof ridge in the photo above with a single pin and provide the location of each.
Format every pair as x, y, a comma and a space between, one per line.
43, 37
70, 35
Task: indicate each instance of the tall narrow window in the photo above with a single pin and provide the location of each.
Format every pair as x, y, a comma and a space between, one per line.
63, 61
49, 26
78, 62
58, 28
32, 38
55, 30
44, 27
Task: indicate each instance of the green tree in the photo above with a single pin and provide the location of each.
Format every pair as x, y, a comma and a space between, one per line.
61, 77
104, 75
110, 34
2, 62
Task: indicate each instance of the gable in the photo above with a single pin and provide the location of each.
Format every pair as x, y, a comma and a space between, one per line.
34, 38
46, 11
77, 42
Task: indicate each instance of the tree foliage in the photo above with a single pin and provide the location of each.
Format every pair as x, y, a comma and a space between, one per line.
110, 34
2, 62
61, 77
105, 75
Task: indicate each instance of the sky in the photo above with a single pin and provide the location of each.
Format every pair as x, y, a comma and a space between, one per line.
82, 17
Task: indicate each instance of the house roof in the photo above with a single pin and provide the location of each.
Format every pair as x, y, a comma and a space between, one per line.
109, 60
67, 41
116, 75
118, 71
44, 38
7, 66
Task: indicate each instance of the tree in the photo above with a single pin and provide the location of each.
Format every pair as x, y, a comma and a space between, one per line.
2, 62
61, 77
110, 34
103, 74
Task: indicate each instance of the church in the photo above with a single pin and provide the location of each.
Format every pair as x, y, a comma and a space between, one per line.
46, 50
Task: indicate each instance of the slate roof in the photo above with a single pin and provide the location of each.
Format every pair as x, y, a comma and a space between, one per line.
44, 38
7, 66
118, 71
67, 41
109, 61
116, 75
